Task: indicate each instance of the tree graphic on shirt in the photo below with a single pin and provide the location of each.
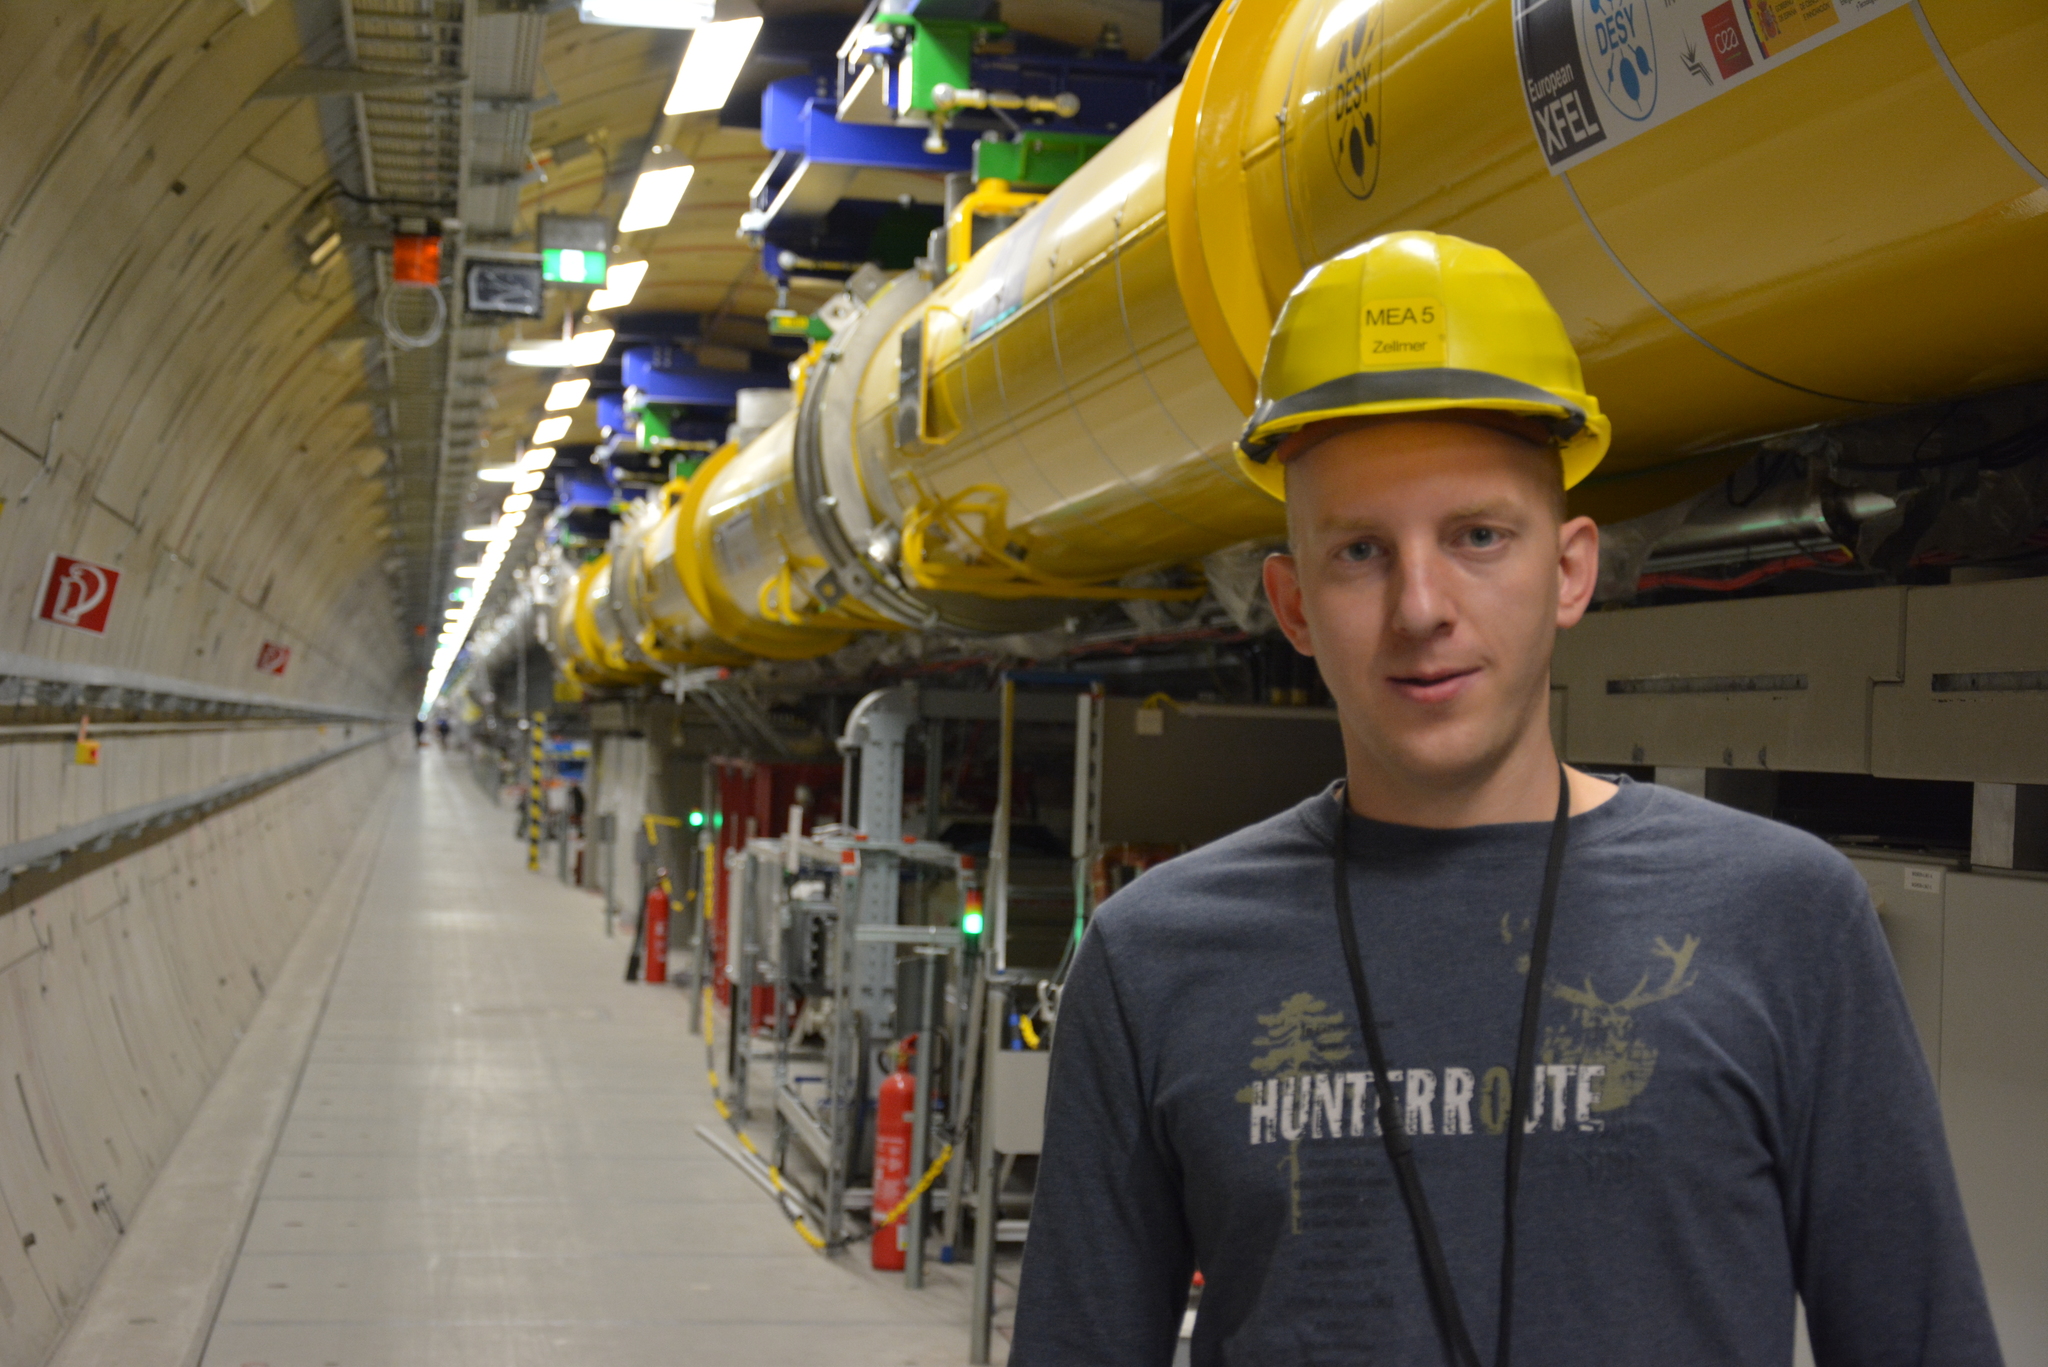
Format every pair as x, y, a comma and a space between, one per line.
1303, 1037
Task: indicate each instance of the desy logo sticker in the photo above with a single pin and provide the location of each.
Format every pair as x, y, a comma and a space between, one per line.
1619, 45
1353, 93
77, 594
273, 658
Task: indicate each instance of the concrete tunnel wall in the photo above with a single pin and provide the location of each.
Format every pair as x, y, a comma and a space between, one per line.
122, 993
173, 405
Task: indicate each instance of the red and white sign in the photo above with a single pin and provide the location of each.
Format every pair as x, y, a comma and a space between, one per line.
77, 594
1724, 40
273, 657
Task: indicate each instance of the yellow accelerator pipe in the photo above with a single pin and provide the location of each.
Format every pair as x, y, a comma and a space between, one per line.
598, 654
1855, 218
656, 608
1836, 211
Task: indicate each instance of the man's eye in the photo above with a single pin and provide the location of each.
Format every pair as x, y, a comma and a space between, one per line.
1483, 538
1359, 550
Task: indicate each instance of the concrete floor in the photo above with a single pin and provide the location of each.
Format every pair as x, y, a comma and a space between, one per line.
490, 1156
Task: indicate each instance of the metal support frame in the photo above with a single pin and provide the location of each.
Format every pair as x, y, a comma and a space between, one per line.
987, 1200
1087, 835
921, 1117
998, 892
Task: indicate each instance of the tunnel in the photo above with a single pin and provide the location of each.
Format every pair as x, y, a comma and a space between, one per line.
602, 589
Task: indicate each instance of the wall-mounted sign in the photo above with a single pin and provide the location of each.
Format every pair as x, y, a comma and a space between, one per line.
77, 594
511, 289
272, 658
573, 248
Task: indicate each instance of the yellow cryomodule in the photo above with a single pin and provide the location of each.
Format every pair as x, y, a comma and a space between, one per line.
1853, 218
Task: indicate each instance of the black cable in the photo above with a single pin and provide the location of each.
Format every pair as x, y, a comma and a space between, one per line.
1394, 1137
1997, 454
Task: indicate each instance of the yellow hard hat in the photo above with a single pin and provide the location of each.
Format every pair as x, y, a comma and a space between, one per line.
1417, 322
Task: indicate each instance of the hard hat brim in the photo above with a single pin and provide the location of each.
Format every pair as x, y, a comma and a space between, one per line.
1581, 431
1404, 391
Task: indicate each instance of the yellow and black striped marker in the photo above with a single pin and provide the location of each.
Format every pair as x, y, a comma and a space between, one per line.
533, 793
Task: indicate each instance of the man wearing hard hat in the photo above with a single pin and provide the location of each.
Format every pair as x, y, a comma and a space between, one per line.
1478, 1058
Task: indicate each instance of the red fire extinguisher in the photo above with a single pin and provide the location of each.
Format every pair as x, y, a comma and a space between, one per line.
892, 1158
657, 936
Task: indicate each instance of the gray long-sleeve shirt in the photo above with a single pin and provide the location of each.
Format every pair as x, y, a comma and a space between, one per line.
1731, 1107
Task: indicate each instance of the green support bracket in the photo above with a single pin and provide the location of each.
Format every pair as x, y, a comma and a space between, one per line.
790, 323
1034, 160
941, 47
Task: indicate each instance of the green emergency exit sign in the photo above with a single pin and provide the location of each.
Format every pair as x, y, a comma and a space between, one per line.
570, 266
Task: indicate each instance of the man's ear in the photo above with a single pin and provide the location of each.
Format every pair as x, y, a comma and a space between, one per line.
1283, 591
1578, 569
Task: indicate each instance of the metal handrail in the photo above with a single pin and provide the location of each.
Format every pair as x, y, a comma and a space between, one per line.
100, 833
110, 683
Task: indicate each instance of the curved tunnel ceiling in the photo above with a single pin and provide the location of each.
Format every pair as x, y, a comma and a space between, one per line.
196, 394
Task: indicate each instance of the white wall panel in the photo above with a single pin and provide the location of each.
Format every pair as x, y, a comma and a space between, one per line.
1994, 1091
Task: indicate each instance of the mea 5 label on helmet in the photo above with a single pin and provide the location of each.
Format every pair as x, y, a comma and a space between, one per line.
1402, 332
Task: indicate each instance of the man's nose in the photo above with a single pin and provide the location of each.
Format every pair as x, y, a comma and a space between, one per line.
1422, 602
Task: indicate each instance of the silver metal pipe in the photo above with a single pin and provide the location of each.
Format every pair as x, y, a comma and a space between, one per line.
1786, 520
1782, 521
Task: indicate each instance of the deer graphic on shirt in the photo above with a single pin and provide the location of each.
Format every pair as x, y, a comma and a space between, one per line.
1602, 1032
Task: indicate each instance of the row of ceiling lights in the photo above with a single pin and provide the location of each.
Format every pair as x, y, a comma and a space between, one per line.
710, 67
525, 478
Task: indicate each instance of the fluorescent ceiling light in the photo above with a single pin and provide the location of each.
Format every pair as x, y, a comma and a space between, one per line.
465, 571
551, 354
586, 349
539, 458
528, 481
518, 503
499, 474
621, 283
551, 429
647, 13
510, 522
711, 64
566, 394
479, 533
655, 196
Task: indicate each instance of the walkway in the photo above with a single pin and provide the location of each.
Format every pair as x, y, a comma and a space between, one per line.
491, 1156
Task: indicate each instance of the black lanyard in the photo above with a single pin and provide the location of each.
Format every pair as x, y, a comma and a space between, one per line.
1443, 1297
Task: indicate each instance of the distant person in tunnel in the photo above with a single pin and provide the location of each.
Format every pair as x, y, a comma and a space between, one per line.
441, 731
1476, 1056
419, 731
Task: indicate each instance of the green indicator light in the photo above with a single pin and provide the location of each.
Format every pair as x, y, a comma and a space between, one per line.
970, 924
718, 819
696, 818
567, 266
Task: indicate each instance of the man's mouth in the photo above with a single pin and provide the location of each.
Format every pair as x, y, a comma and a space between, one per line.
1433, 686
